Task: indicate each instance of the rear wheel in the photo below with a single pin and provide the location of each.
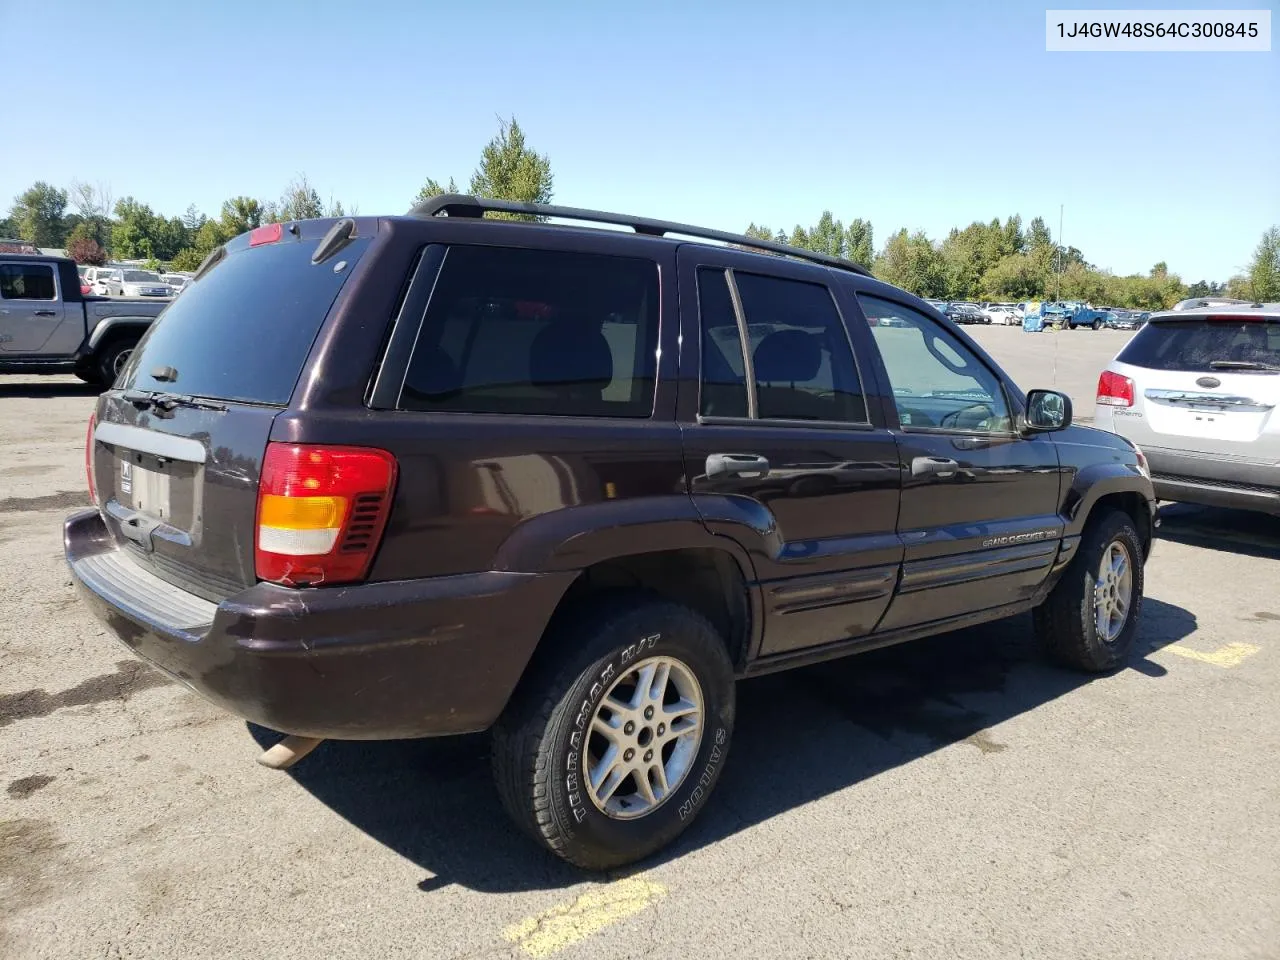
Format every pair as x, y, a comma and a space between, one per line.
111, 359
1090, 619
1097, 324
611, 747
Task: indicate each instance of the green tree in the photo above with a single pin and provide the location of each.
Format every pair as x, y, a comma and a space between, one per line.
510, 170
187, 259
239, 215
1038, 235
432, 188
193, 219
137, 232
1016, 277
300, 201
1264, 268
859, 242
912, 262
827, 236
1012, 241
37, 214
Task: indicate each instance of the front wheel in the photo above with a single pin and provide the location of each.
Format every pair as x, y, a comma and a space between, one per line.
613, 743
1090, 619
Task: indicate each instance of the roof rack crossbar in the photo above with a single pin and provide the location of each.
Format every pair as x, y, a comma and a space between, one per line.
463, 205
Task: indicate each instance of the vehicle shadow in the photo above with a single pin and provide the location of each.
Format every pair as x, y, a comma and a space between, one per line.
800, 736
1244, 532
37, 389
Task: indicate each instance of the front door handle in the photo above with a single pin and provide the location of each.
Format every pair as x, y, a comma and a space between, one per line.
45, 313
736, 465
934, 467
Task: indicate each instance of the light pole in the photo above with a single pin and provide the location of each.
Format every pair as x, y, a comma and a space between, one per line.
1059, 296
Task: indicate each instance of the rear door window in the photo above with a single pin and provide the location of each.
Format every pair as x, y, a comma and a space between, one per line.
1203, 344
800, 354
546, 332
243, 330
27, 281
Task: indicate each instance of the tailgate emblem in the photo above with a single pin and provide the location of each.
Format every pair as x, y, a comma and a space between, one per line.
126, 477
1208, 382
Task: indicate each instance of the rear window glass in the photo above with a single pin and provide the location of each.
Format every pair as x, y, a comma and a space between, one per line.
1202, 345
243, 331
537, 332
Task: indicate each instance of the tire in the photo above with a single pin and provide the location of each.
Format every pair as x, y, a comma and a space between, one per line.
112, 358
544, 745
1097, 324
1068, 620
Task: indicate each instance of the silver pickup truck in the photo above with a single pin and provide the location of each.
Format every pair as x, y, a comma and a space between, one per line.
48, 326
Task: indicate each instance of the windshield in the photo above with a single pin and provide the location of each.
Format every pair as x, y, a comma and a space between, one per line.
140, 276
1204, 344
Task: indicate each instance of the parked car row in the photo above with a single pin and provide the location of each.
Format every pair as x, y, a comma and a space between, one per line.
969, 312
117, 280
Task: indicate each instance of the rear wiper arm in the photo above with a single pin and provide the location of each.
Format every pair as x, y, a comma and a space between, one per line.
1241, 365
167, 402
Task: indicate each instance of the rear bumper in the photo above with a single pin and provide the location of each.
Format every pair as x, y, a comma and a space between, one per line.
368, 662
1195, 478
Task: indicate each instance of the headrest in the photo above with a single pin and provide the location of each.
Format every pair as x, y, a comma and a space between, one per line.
571, 352
434, 373
788, 356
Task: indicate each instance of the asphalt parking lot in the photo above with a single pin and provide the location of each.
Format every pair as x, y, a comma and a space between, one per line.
955, 797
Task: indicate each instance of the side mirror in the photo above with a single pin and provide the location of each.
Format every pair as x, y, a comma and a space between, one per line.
1047, 411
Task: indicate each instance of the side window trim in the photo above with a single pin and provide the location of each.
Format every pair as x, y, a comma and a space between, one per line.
1013, 410
744, 344
744, 341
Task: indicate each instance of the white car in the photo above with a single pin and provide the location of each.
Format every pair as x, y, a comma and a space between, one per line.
1003, 314
126, 282
1198, 391
177, 281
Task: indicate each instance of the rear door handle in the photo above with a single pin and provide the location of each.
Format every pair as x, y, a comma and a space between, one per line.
45, 313
736, 464
933, 467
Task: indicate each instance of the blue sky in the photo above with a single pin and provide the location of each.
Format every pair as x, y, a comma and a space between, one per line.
926, 115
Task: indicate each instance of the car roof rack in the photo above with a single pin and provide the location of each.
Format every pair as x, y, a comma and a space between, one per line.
463, 205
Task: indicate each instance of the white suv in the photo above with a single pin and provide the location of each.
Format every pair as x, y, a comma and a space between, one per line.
1198, 390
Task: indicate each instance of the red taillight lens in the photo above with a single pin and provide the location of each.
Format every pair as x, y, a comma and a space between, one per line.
1114, 390
321, 512
88, 458
271, 233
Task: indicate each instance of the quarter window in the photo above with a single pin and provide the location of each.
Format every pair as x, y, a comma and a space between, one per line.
938, 383
26, 281
539, 332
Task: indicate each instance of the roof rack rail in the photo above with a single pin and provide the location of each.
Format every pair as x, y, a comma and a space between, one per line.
463, 205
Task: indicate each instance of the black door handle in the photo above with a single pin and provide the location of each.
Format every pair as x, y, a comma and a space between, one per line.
736, 464
45, 313
933, 467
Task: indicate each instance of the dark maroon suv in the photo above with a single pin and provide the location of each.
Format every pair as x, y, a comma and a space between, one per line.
433, 474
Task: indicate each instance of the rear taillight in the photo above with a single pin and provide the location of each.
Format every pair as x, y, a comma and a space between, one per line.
88, 458
321, 512
1114, 390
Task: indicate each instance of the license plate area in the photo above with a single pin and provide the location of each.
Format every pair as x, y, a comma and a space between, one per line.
159, 488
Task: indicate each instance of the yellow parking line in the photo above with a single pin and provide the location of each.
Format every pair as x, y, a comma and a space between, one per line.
1231, 655
567, 924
